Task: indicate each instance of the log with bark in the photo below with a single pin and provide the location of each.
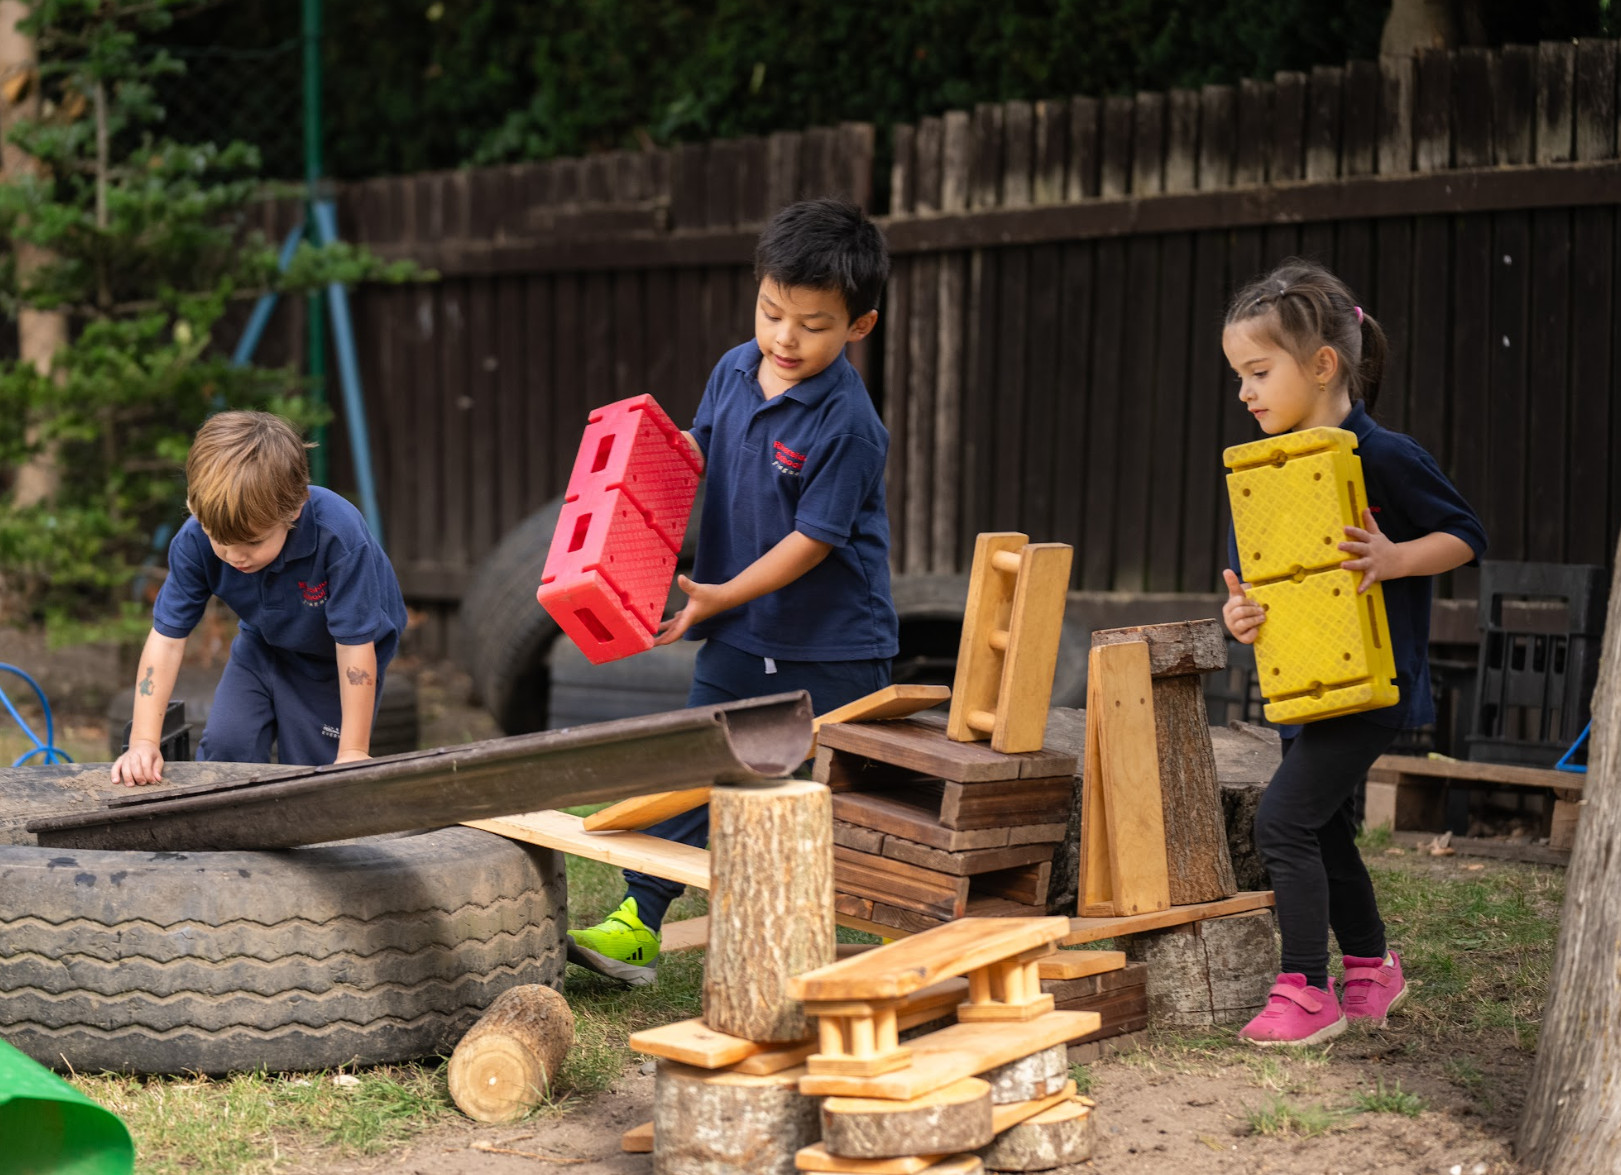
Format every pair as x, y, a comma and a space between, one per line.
504, 1065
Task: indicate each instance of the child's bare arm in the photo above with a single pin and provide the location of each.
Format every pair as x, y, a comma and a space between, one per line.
1377, 558
780, 566
357, 691
696, 450
154, 683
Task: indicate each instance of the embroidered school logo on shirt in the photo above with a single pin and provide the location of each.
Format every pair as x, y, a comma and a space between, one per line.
314, 593
786, 459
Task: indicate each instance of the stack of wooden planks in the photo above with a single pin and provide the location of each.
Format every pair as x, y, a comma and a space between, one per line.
927, 830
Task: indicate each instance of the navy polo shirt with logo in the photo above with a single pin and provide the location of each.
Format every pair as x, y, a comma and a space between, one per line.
332, 584
812, 460
1410, 497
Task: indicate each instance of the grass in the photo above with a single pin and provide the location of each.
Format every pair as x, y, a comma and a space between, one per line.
1392, 1100
1281, 1117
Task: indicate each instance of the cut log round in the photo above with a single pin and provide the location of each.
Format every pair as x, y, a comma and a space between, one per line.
955, 1118
1217, 971
724, 1123
504, 1065
770, 905
1057, 1137
1037, 1076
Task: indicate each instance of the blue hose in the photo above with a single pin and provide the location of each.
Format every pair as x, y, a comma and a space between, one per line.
52, 753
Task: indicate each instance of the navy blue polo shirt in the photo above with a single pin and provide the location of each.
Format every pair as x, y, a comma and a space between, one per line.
332, 584
1410, 497
811, 460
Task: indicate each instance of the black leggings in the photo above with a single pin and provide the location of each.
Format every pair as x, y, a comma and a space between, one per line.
1305, 829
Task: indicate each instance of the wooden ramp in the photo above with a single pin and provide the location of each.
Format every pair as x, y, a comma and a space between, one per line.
735, 742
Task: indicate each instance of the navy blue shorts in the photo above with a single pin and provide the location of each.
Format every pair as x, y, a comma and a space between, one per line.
267, 697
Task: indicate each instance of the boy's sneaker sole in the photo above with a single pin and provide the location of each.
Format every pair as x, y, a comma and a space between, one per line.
632, 973
1327, 1032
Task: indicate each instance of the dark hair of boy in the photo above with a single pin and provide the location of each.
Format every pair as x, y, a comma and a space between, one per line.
1306, 307
825, 244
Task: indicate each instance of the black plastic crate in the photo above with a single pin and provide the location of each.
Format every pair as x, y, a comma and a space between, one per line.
175, 743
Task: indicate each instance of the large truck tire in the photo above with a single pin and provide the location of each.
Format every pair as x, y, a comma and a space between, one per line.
358, 952
648, 683
506, 635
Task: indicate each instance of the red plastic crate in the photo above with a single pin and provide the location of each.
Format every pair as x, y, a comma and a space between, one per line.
612, 557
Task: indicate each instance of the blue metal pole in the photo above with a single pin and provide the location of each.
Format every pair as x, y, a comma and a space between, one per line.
266, 305
354, 405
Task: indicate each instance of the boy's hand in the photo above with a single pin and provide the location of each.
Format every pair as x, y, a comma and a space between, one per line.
1241, 615
1376, 556
703, 601
351, 757
142, 763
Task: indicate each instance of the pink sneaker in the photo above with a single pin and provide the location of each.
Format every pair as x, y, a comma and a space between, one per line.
1295, 1014
1374, 988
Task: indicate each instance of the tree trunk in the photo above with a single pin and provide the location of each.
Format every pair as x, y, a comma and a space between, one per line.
1570, 1126
725, 1123
40, 334
501, 1069
1029, 1078
946, 1121
770, 905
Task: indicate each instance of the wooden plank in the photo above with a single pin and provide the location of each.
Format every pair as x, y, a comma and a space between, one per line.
1473, 345
645, 811
1068, 965
1556, 84
692, 1042
1018, 153
962, 1050
1514, 105
1051, 151
854, 836
1218, 123
1254, 121
1010, 387
816, 1158
638, 1140
1095, 885
1595, 104
1432, 109
1042, 450
897, 407
900, 968
1589, 528
1130, 767
1034, 629
1288, 127
1009, 1114
1169, 463
963, 863
956, 164
919, 744
1545, 365
1398, 84
1505, 487
922, 327
1084, 930
1114, 181
1104, 418
890, 814
1081, 174
1360, 118
627, 850
1472, 144
899, 884
688, 934
1005, 802
1325, 100
1024, 885
1499, 773
1070, 416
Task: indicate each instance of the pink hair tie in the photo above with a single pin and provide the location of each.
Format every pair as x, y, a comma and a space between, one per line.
1358, 310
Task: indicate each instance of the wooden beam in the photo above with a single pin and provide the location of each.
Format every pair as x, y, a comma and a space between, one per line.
1084, 930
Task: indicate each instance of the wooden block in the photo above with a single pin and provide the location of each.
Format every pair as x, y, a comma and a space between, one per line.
1379, 804
900, 968
1404, 804
1175, 649
1029, 1078
920, 744
1098, 982
894, 814
1091, 1049
893, 701
1006, 802
686, 935
988, 613
1067, 965
776, 1059
1025, 884
852, 906
729, 1121
692, 1042
1032, 650
641, 812
1006, 1117
1130, 760
1121, 1011
626, 850
1095, 885
1213, 972
863, 840
1562, 834
899, 884
990, 906
847, 771
1029, 834
964, 864
817, 1158
956, 1117
962, 1050
1085, 930
638, 1140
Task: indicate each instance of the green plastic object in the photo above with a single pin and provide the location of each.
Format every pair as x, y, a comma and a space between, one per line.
49, 1128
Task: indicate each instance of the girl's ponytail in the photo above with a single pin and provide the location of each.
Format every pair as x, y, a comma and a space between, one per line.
1371, 370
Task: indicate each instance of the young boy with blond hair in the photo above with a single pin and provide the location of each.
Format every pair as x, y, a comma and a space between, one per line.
320, 609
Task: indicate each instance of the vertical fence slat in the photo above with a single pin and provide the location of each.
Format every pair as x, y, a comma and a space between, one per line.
1148, 144
1115, 164
1324, 104
1556, 83
1472, 108
1052, 148
1514, 104
1254, 137
1018, 153
1218, 111
1512, 263
1081, 178
1071, 423
1360, 118
946, 491
1547, 391
782, 170
1182, 141
1398, 90
923, 329
1288, 160
1432, 107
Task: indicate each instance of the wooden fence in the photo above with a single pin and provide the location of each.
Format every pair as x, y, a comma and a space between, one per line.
1050, 340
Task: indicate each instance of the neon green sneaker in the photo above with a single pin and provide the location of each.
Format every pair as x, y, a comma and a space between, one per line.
619, 947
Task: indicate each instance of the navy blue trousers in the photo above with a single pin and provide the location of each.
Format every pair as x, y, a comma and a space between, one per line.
266, 697
1305, 830
727, 674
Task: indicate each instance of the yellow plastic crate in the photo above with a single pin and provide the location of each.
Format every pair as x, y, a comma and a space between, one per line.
1324, 651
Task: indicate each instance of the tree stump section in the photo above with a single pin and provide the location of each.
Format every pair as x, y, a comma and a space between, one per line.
1057, 1137
724, 1123
956, 1118
770, 905
1029, 1078
503, 1066
1570, 1126
1195, 833
1213, 972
